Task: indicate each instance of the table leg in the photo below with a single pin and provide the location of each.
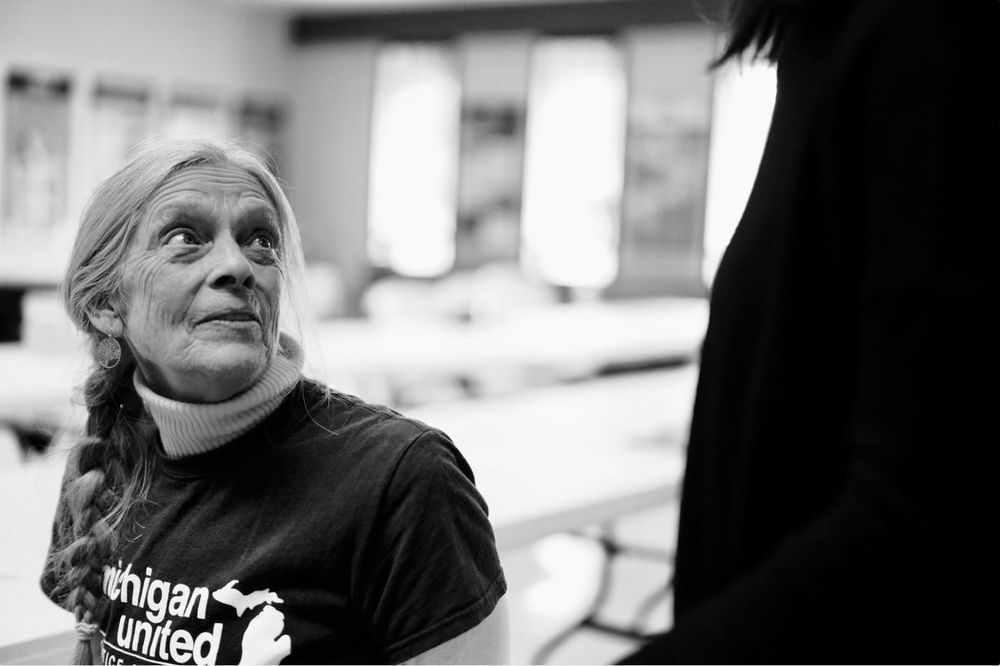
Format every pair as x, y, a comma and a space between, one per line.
611, 549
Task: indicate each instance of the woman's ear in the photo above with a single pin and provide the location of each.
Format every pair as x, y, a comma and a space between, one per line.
107, 321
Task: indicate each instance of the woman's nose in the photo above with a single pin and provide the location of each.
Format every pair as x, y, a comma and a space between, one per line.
232, 268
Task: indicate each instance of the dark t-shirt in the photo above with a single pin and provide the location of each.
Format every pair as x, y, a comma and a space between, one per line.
334, 532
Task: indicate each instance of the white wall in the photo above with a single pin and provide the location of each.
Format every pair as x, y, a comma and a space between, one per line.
230, 50
328, 170
213, 43
234, 49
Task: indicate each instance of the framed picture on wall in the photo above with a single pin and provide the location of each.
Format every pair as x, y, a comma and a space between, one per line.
489, 183
193, 112
261, 124
666, 164
121, 119
36, 154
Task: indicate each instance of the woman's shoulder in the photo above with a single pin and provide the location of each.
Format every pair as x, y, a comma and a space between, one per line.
346, 409
356, 424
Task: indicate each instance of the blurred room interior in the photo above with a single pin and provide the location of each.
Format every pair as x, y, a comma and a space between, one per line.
511, 213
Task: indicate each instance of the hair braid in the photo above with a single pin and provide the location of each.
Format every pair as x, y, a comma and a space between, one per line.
87, 554
110, 476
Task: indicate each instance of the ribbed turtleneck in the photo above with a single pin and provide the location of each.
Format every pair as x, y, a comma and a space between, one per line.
188, 428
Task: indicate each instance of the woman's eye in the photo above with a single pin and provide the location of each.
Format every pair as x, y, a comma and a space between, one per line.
181, 237
263, 240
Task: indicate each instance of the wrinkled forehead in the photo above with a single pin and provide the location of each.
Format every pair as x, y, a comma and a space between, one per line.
209, 185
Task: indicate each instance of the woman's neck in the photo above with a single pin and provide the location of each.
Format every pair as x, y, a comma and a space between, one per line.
187, 429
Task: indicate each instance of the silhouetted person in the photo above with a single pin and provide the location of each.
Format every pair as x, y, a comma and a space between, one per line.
840, 503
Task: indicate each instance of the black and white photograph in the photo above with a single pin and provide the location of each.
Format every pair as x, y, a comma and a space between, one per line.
499, 332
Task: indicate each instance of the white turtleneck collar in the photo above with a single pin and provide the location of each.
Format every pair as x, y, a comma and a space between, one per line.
188, 428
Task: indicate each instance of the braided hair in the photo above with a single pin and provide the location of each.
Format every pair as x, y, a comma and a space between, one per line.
108, 474
110, 470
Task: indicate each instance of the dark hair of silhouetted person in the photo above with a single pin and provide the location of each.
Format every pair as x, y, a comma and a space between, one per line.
756, 28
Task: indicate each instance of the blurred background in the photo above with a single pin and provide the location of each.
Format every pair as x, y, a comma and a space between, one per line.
511, 211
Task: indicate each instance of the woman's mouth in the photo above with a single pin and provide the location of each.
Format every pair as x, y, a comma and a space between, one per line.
237, 317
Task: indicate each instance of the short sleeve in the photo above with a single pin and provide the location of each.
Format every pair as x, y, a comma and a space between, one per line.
432, 571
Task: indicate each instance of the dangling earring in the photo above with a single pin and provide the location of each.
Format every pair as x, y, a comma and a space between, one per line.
109, 352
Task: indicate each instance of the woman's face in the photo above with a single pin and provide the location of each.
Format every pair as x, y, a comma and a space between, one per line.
202, 284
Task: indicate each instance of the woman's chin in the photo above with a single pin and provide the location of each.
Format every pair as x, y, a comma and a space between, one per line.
245, 366
208, 370
229, 371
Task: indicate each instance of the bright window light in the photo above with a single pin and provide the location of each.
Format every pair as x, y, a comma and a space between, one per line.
574, 161
744, 101
414, 160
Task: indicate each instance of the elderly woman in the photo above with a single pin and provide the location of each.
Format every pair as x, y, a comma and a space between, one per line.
222, 508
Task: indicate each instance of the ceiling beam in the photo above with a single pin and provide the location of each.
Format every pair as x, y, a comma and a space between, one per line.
591, 17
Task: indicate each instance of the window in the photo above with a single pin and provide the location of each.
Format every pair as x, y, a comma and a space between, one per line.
574, 162
414, 157
744, 101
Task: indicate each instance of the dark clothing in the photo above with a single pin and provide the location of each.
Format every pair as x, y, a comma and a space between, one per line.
841, 497
333, 532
